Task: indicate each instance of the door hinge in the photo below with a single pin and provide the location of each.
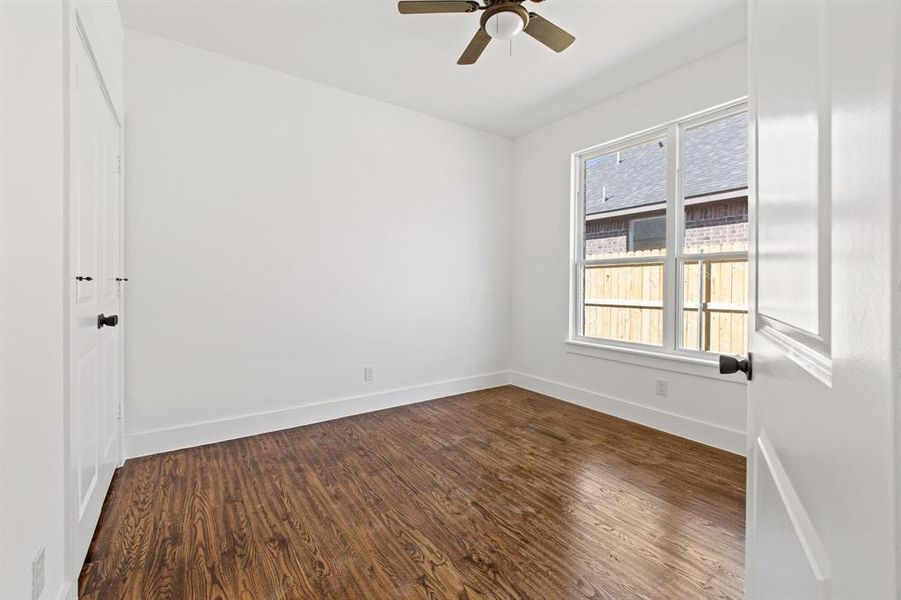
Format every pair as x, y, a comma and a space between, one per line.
119, 164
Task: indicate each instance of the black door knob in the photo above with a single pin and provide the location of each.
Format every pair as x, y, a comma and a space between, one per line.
733, 364
109, 321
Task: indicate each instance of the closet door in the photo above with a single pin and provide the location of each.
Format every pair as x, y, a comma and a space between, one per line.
95, 256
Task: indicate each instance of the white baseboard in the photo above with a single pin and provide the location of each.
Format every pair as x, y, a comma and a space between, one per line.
700, 431
143, 443
208, 432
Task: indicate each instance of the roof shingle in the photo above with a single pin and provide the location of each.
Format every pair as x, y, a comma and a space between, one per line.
716, 160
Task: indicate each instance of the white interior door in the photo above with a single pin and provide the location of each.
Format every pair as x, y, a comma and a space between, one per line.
95, 236
824, 104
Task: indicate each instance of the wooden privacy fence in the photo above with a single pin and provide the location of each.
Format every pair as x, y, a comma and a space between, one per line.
625, 302
722, 288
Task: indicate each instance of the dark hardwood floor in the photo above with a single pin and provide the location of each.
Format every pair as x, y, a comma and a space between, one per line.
502, 493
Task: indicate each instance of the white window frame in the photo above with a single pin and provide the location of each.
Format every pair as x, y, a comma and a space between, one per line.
672, 134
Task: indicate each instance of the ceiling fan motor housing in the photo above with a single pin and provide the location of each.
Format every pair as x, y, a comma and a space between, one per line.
500, 20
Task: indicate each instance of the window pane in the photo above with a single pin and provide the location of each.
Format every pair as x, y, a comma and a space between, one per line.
622, 190
717, 291
625, 303
715, 186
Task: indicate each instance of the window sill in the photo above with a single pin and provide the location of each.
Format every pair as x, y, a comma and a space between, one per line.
653, 359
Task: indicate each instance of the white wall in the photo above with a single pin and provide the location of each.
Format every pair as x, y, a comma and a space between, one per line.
281, 235
699, 405
31, 294
32, 283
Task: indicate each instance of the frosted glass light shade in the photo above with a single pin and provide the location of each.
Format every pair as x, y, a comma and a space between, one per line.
503, 25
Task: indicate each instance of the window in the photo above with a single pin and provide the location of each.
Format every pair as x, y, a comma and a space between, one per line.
662, 237
647, 234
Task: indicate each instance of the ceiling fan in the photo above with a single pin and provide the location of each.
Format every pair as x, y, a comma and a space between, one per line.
502, 20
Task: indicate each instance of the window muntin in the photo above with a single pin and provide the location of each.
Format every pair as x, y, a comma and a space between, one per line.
636, 194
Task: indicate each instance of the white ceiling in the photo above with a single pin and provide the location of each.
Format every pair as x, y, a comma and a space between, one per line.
366, 47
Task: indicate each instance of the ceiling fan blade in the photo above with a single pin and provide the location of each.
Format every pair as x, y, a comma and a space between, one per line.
475, 48
548, 34
424, 7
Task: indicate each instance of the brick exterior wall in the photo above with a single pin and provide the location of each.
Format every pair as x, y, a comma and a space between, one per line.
611, 235
723, 222
720, 222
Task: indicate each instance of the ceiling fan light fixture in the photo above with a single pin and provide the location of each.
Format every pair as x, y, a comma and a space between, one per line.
504, 25
501, 20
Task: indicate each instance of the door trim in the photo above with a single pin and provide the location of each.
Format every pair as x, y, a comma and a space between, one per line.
811, 353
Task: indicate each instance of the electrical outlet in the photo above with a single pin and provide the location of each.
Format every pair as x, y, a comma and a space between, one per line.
661, 387
367, 373
37, 575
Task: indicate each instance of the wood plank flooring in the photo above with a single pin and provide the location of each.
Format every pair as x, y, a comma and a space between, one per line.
502, 493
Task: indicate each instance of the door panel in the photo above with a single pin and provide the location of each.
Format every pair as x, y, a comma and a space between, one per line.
84, 414
110, 289
84, 210
792, 575
109, 397
789, 119
110, 250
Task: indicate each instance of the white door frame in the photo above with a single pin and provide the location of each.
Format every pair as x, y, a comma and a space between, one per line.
79, 29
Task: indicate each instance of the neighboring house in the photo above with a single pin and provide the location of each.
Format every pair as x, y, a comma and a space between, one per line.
625, 193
